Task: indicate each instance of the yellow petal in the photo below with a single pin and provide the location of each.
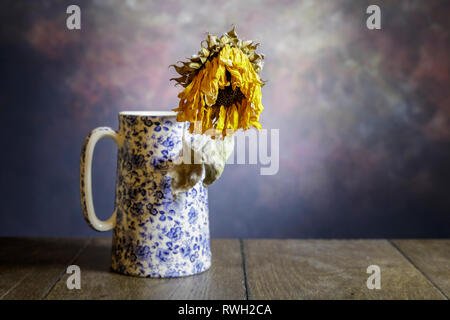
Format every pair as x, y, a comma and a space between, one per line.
222, 115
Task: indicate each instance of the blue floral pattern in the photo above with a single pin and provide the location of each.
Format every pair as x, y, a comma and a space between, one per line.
156, 235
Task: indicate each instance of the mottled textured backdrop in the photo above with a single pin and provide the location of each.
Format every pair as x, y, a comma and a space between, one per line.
364, 116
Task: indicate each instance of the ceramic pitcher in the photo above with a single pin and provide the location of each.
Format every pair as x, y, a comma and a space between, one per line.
154, 233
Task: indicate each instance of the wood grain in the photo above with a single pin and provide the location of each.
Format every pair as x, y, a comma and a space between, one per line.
330, 269
430, 256
33, 268
30, 267
224, 280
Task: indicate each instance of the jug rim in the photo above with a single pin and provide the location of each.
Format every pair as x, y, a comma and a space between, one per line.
148, 113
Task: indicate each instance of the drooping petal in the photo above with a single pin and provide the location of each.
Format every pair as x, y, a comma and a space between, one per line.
222, 115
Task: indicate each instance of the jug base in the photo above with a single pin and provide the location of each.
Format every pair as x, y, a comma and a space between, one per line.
143, 273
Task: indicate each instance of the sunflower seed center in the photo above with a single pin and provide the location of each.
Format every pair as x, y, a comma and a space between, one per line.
227, 96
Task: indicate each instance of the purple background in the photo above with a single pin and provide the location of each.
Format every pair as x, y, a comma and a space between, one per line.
364, 116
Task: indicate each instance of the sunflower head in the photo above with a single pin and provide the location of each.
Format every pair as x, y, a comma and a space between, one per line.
222, 86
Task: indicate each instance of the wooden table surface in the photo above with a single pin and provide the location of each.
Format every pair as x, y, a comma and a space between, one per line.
35, 268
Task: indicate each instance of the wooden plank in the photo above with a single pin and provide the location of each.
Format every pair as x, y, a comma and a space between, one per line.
330, 269
224, 280
432, 257
29, 267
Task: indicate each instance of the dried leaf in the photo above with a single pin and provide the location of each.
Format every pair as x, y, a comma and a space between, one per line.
210, 47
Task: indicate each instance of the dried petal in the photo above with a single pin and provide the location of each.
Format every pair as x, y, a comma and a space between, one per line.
195, 65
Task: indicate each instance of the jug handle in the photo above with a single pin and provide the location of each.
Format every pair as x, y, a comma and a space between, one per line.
87, 203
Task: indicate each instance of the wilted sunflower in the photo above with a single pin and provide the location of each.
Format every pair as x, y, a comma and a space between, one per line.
222, 87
